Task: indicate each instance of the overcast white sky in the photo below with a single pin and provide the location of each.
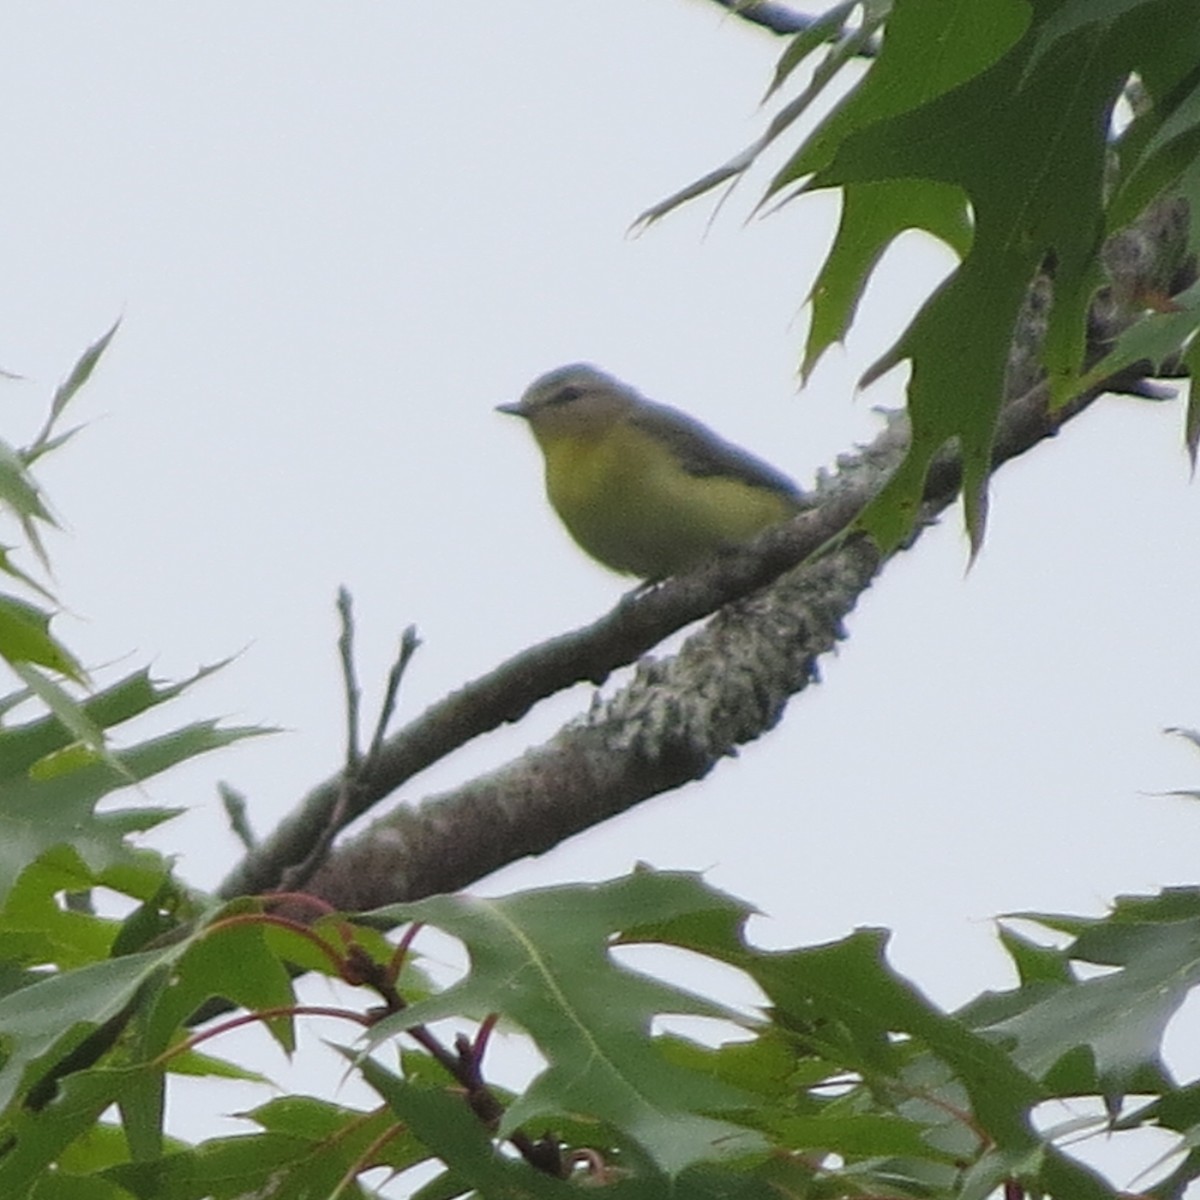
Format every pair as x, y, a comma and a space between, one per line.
338, 234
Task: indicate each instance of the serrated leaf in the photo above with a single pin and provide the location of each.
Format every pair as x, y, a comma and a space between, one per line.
221, 1169
848, 985
1060, 922
589, 1015
79, 374
847, 1004
1015, 119
69, 712
1154, 339
35, 1140
24, 745
293, 1159
308, 1117
18, 489
838, 56
1035, 963
447, 1127
205, 1066
339, 1137
907, 75
1012, 141
1066, 1178
9, 568
40, 814
994, 1169
873, 215
25, 638
823, 29
766, 1066
231, 961
1118, 1017
36, 928
31, 454
38, 1024
63, 762
706, 183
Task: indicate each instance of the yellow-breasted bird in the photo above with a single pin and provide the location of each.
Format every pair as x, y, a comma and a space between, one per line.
642, 487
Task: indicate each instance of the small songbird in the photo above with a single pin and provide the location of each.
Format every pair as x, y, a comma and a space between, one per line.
642, 487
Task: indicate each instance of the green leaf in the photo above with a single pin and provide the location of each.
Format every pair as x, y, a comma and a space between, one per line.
1072, 16
1013, 137
61, 1186
229, 960
848, 1006
39, 815
71, 715
824, 28
204, 1066
341, 1136
223, 1169
21, 747
1035, 963
38, 1139
842, 53
446, 1126
80, 373
41, 1023
1003, 109
589, 1016
1119, 1017
18, 490
307, 1149
766, 1066
35, 928
873, 215
849, 987
25, 638
1168, 904
1067, 1179
10, 568
930, 49
1154, 339
856, 1135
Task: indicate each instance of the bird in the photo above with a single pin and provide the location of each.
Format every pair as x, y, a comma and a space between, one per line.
642, 487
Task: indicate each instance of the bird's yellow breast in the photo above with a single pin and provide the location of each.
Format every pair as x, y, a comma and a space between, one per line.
631, 503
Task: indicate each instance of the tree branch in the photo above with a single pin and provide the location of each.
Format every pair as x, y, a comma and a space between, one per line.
676, 718
670, 725
777, 18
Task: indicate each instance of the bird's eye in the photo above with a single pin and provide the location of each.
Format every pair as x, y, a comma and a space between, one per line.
565, 395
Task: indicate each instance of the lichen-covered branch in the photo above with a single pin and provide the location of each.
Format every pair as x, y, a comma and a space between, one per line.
677, 717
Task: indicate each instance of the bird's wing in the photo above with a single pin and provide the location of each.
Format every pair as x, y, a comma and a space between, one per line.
702, 452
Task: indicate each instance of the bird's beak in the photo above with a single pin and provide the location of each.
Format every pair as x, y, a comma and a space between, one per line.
513, 410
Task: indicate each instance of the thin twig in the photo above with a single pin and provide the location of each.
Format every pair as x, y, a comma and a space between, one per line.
357, 771
235, 809
345, 607
294, 876
409, 641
